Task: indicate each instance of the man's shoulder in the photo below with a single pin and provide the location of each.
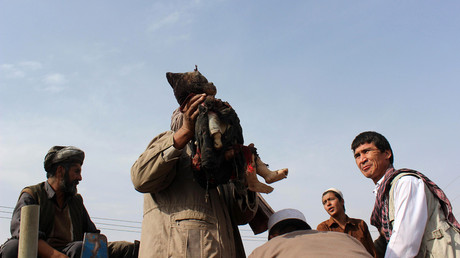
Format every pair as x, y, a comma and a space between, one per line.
355, 221
312, 243
324, 225
405, 175
33, 189
39, 185
315, 233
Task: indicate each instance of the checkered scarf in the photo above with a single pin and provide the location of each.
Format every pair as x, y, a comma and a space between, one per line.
380, 214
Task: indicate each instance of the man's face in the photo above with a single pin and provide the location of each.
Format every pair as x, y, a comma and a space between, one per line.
332, 205
371, 161
71, 179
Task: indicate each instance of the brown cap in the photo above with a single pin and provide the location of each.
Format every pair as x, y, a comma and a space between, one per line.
184, 84
58, 154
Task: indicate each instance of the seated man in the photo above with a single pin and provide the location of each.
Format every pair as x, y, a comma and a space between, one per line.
290, 236
63, 216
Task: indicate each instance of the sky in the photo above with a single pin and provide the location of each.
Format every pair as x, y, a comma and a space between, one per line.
305, 77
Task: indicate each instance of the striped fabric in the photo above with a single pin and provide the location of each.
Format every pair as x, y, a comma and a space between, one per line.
379, 217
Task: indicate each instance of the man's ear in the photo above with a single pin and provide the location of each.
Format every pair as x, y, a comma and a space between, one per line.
388, 154
60, 171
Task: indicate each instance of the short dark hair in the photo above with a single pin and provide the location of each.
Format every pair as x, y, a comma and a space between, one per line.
287, 226
373, 137
336, 195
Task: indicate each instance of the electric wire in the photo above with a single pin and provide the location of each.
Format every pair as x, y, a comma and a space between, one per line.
129, 228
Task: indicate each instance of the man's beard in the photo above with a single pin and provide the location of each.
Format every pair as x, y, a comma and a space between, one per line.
67, 186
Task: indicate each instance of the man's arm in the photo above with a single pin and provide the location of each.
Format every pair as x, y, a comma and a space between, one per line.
154, 170
45, 250
190, 113
410, 217
24, 199
367, 238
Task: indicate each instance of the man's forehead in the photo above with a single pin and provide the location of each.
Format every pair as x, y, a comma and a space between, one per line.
75, 166
365, 146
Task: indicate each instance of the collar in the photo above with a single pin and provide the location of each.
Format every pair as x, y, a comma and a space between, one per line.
49, 190
379, 183
331, 221
52, 194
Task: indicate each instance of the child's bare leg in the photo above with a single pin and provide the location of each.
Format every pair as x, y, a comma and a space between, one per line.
253, 183
214, 129
217, 140
269, 175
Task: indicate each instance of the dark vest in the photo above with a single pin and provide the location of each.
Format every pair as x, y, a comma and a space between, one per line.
47, 211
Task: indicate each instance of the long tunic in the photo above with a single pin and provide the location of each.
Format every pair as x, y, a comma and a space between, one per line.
179, 220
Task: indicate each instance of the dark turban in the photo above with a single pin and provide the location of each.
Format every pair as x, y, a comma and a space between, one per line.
61, 154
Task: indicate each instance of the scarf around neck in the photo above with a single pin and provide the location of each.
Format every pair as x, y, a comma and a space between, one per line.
379, 217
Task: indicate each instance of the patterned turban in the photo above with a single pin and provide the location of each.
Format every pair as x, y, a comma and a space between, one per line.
59, 154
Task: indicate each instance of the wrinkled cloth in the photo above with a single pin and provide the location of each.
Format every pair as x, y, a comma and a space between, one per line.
379, 217
311, 243
354, 227
59, 154
210, 165
74, 221
46, 199
178, 221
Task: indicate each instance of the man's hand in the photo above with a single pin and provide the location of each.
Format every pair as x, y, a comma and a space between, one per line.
187, 130
45, 250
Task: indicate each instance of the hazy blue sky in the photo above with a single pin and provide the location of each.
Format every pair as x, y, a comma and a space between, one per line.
305, 77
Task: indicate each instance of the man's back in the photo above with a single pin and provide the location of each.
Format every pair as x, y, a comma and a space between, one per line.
311, 243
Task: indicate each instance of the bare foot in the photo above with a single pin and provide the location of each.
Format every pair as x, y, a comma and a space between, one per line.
217, 141
276, 175
260, 187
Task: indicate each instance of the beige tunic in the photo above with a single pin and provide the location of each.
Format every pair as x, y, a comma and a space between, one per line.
178, 222
311, 243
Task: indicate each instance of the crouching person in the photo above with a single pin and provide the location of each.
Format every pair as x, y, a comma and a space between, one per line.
289, 235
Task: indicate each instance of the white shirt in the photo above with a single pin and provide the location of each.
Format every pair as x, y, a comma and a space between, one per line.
411, 216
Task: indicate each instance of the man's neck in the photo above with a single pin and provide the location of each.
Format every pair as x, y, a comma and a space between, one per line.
386, 171
341, 219
60, 195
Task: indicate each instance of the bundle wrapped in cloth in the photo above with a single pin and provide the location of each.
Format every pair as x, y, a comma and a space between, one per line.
219, 154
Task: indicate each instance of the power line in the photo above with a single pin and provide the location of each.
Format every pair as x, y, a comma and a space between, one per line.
455, 198
256, 237
122, 230
108, 224
451, 182
119, 220
243, 238
125, 228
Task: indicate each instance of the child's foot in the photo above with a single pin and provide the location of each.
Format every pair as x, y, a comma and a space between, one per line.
260, 188
276, 175
217, 141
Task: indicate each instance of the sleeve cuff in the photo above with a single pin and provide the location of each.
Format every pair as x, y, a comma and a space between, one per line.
171, 153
